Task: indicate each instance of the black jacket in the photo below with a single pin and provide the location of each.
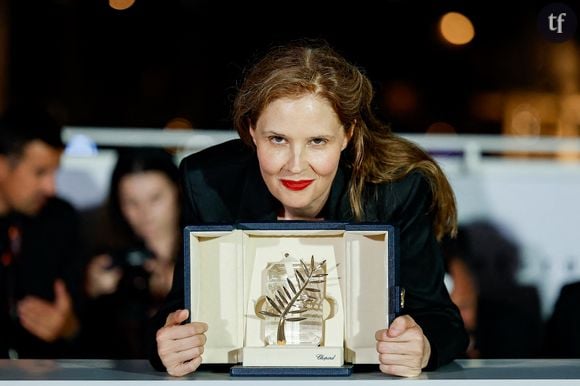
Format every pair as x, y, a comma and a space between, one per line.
562, 333
49, 249
223, 184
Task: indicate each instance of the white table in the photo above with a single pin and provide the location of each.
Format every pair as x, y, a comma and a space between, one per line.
139, 372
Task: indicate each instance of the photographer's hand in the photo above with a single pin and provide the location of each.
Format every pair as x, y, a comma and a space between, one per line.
102, 278
49, 320
161, 276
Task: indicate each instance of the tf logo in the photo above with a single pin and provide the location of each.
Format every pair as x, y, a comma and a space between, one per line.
557, 22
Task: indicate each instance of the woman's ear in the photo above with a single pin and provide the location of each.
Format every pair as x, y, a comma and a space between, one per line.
348, 135
252, 132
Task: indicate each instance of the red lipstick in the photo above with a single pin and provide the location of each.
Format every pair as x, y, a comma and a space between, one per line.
296, 185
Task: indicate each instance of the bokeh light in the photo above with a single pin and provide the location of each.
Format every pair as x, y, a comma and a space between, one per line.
456, 28
121, 5
178, 123
441, 128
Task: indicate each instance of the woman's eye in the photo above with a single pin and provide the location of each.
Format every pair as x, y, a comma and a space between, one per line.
276, 139
155, 198
318, 141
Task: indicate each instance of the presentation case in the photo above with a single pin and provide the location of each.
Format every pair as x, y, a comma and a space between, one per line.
292, 294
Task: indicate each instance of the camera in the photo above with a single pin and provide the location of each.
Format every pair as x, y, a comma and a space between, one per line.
135, 276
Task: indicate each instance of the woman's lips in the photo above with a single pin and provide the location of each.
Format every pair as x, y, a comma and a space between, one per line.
296, 185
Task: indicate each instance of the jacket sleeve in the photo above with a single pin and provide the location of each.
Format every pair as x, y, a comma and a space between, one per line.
422, 272
175, 299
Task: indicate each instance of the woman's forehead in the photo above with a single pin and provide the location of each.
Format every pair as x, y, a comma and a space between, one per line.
305, 116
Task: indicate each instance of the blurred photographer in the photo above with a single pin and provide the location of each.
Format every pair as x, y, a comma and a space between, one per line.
40, 260
129, 280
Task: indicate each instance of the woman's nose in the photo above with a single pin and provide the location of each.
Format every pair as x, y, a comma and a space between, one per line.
297, 160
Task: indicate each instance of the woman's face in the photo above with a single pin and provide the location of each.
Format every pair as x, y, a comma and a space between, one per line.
149, 202
298, 142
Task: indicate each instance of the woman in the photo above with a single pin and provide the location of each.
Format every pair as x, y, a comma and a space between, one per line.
312, 149
128, 283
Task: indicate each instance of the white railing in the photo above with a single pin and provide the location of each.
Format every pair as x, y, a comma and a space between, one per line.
534, 200
192, 140
473, 147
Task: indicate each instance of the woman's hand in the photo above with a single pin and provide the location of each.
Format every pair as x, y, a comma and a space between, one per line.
161, 277
180, 346
102, 278
403, 348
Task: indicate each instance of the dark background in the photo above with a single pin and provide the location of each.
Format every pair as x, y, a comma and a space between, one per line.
162, 59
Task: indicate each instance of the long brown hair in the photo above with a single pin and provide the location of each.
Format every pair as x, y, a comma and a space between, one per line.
374, 153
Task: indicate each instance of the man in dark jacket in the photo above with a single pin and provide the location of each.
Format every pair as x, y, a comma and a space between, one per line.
39, 262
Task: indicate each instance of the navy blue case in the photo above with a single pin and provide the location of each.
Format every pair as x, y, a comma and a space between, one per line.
394, 290
266, 371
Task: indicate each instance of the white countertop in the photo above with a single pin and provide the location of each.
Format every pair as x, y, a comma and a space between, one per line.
139, 372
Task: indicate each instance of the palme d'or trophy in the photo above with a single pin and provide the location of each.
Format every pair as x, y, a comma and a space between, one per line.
277, 302
295, 292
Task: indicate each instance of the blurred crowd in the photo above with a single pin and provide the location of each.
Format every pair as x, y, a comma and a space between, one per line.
81, 284
84, 284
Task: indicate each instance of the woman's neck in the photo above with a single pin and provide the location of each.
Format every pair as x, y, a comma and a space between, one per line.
296, 216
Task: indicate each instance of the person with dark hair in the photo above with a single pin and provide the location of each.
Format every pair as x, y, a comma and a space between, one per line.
128, 282
562, 329
40, 263
502, 316
312, 149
